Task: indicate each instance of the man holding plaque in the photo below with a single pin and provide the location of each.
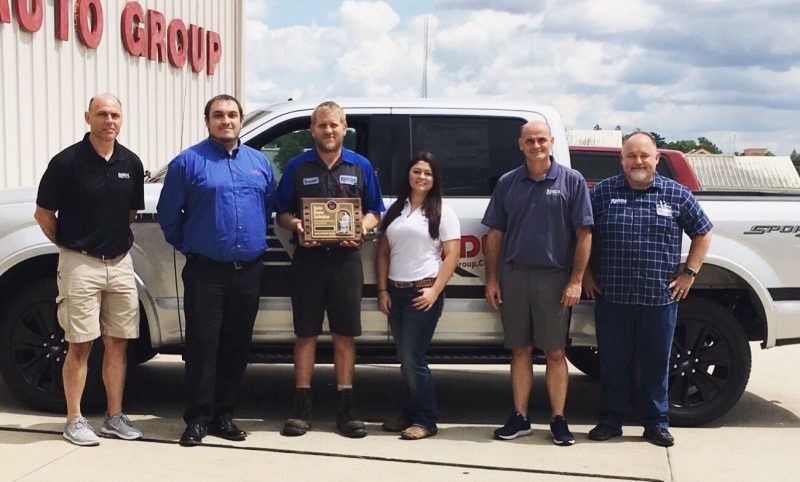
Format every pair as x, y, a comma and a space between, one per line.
326, 270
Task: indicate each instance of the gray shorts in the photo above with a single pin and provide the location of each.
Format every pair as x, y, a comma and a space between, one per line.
531, 311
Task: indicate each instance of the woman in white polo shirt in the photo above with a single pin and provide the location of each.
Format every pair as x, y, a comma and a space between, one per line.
411, 275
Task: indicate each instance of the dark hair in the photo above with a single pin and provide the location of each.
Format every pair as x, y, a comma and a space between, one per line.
431, 206
222, 97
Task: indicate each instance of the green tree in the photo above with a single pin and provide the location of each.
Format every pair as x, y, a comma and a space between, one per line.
289, 147
685, 145
708, 145
660, 141
795, 157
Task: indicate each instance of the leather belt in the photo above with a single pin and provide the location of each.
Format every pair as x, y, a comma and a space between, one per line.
235, 264
102, 257
420, 283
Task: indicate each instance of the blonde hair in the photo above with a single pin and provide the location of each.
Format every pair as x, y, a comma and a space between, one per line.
328, 106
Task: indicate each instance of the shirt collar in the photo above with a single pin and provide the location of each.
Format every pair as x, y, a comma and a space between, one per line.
87, 144
552, 173
220, 146
621, 183
343, 157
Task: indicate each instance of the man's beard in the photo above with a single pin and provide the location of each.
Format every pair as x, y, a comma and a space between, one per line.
640, 176
332, 146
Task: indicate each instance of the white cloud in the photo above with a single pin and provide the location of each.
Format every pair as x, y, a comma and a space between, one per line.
681, 68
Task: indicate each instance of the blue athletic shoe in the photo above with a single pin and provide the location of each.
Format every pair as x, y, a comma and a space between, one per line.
561, 433
516, 426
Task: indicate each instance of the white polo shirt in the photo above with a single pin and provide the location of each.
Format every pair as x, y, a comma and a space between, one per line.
413, 254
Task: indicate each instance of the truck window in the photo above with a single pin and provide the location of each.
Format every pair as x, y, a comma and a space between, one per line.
596, 166
288, 139
473, 151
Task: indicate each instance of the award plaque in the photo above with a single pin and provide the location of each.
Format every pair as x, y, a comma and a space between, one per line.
331, 220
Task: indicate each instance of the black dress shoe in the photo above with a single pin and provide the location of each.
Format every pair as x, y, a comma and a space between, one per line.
193, 435
659, 436
604, 431
226, 429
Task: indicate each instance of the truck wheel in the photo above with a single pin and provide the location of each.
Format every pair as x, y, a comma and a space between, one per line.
32, 351
585, 359
709, 364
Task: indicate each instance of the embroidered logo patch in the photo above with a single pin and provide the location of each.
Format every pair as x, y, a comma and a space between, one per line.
123, 175
310, 181
664, 209
349, 180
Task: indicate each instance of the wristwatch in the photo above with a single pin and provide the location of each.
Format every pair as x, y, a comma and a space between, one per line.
689, 271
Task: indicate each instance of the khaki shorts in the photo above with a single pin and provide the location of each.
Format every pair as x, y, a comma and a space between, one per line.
96, 297
532, 313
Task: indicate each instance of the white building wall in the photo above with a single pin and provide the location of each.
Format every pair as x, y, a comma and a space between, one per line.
46, 84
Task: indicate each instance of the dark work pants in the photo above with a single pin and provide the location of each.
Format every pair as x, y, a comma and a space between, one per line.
620, 328
220, 303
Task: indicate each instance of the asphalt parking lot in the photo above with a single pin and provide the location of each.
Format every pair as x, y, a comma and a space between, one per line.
757, 440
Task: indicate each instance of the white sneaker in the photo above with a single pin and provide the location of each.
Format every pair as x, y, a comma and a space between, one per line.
79, 432
120, 426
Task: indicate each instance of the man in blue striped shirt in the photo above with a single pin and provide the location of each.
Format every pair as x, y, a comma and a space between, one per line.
639, 217
214, 208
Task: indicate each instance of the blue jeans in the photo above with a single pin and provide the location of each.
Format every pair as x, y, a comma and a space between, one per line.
621, 328
412, 330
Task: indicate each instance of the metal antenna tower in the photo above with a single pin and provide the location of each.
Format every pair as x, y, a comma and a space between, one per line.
423, 92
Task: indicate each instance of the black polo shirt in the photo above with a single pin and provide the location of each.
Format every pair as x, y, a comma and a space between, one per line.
93, 197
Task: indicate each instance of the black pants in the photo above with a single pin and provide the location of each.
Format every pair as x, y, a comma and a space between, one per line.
220, 303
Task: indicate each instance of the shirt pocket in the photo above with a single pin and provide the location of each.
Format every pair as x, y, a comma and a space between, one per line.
662, 229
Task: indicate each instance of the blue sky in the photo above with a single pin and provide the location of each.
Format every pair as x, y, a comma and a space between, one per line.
728, 70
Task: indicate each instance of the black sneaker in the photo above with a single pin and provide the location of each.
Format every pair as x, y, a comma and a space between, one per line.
561, 434
516, 426
604, 431
346, 422
300, 422
659, 436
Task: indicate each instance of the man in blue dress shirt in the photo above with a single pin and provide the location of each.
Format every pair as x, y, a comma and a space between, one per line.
639, 217
214, 208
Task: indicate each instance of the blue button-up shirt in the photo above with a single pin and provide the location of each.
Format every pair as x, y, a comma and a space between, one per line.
217, 204
637, 238
539, 218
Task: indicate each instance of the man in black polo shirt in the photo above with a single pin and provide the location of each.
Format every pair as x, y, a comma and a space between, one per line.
95, 187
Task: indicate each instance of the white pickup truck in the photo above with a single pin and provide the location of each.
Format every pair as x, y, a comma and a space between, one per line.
748, 290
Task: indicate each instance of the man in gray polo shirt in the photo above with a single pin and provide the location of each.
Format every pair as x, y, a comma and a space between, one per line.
537, 248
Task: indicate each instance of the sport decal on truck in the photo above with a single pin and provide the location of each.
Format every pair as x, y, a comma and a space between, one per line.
766, 229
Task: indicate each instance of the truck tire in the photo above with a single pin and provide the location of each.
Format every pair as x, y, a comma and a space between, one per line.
709, 364
32, 351
585, 359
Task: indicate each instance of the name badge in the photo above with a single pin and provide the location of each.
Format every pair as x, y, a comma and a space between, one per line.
349, 180
663, 209
619, 201
310, 181
123, 175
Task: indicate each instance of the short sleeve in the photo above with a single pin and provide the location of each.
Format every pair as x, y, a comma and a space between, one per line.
496, 215
52, 186
449, 225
